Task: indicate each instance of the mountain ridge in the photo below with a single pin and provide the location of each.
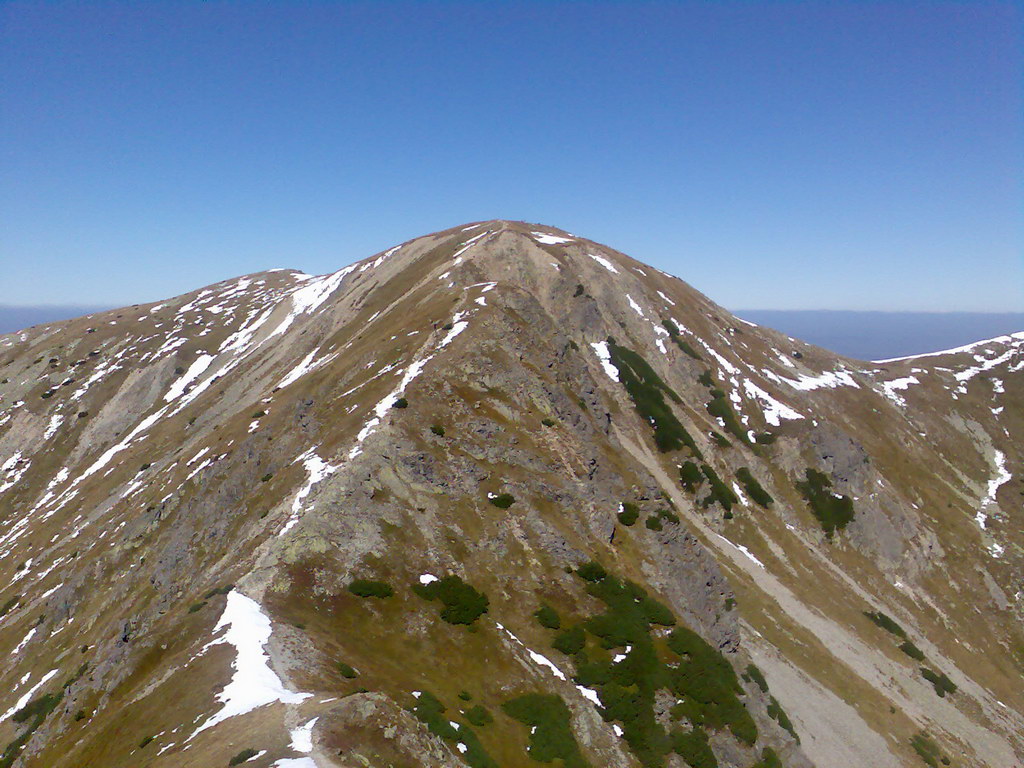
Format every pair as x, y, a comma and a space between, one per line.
280, 437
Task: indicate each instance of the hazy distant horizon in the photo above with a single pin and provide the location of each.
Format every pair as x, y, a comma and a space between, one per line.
865, 335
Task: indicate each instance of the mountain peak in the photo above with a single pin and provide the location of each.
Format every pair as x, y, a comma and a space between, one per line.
473, 489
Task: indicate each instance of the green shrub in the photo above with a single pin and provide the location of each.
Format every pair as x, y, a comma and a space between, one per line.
753, 488
926, 749
38, 708
778, 714
721, 408
647, 391
570, 641
579, 290
548, 422
196, 607
673, 332
6, 608
266, 477
145, 742
463, 604
345, 670
243, 756
400, 402
668, 517
502, 500
693, 747
720, 492
259, 414
720, 440
832, 511
431, 712
591, 571
367, 588
754, 675
939, 681
769, 759
764, 438
465, 695
478, 716
912, 650
223, 590
690, 476
551, 736
629, 513
886, 623
548, 617
437, 429
145, 466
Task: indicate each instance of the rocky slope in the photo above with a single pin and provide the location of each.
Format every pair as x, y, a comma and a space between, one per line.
502, 496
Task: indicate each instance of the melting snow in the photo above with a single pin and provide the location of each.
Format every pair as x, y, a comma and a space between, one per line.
27, 696
890, 388
601, 350
604, 263
253, 683
742, 549
1002, 476
546, 239
318, 470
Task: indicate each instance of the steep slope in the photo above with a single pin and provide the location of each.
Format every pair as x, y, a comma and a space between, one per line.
499, 496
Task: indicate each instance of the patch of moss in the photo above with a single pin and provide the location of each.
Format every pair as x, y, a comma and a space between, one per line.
462, 603
648, 391
833, 511
551, 736
368, 588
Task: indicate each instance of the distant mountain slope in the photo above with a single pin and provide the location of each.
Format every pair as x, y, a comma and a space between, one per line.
880, 335
16, 318
501, 496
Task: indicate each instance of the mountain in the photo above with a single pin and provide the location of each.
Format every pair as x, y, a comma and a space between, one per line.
502, 496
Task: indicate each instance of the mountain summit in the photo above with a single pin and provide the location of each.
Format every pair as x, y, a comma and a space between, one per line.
502, 496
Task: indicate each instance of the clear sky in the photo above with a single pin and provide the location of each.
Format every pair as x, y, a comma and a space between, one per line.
788, 155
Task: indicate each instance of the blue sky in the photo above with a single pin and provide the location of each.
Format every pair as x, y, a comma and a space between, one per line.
784, 155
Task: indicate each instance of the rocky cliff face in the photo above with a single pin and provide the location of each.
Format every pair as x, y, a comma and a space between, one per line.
501, 496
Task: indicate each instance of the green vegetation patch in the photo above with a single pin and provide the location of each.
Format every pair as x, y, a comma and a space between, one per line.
769, 759
243, 756
753, 488
502, 500
33, 713
939, 681
753, 674
673, 332
720, 492
478, 716
912, 650
690, 476
368, 588
551, 736
886, 623
462, 603
548, 617
437, 429
645, 661
928, 750
10, 604
648, 391
721, 408
345, 670
629, 514
548, 422
778, 714
431, 711
833, 511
